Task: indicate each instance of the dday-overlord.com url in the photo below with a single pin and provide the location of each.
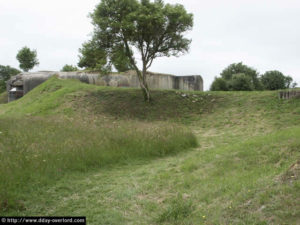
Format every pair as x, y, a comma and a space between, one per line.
42, 220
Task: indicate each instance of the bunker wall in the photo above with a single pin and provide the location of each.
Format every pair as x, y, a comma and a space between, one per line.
28, 81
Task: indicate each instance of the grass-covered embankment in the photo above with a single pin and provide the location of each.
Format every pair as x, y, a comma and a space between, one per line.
3, 97
36, 151
244, 171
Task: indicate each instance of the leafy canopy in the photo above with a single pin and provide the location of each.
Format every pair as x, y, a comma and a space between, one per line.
93, 57
6, 72
240, 68
27, 59
239, 77
125, 28
219, 84
274, 80
241, 82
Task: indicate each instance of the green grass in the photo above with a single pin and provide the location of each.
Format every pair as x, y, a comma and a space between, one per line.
38, 150
3, 97
125, 161
66, 96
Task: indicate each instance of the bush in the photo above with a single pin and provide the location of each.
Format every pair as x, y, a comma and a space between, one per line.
274, 80
239, 77
69, 68
240, 68
5, 73
219, 84
238, 82
241, 82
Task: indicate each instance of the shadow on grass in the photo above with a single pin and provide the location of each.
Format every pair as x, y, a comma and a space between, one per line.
165, 105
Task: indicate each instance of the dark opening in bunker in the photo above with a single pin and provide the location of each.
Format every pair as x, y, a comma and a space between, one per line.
15, 93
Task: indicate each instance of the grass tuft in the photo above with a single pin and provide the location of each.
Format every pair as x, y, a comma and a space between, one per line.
178, 209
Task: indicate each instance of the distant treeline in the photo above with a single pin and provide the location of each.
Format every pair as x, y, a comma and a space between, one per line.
240, 77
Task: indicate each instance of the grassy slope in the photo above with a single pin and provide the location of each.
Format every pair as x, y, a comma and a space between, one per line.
3, 97
244, 172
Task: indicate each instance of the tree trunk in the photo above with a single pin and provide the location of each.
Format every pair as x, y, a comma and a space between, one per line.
141, 75
144, 85
146, 92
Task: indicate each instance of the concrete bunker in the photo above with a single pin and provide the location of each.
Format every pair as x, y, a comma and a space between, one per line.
22, 83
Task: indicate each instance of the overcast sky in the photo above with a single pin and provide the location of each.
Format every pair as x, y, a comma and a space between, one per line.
264, 34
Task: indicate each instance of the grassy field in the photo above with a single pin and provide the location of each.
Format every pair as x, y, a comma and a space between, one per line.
186, 158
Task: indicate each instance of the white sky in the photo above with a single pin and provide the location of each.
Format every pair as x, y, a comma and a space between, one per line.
264, 34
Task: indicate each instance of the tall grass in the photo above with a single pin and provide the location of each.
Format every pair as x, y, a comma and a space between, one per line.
36, 151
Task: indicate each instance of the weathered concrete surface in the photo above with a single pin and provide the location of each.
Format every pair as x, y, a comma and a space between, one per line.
28, 81
289, 94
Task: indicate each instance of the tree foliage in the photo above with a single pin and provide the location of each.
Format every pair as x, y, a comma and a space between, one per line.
240, 68
239, 77
27, 59
6, 72
93, 57
123, 28
119, 60
274, 80
69, 68
219, 84
241, 82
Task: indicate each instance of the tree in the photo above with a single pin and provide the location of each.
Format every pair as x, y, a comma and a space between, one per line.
240, 68
294, 84
219, 84
237, 77
152, 29
93, 57
69, 68
119, 59
6, 72
289, 82
27, 58
274, 80
241, 82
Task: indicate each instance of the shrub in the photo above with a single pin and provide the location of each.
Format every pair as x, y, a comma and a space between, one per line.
5, 73
238, 68
274, 80
241, 82
69, 68
219, 84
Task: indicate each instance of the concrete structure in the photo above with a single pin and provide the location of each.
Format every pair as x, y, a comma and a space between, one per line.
289, 94
22, 83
